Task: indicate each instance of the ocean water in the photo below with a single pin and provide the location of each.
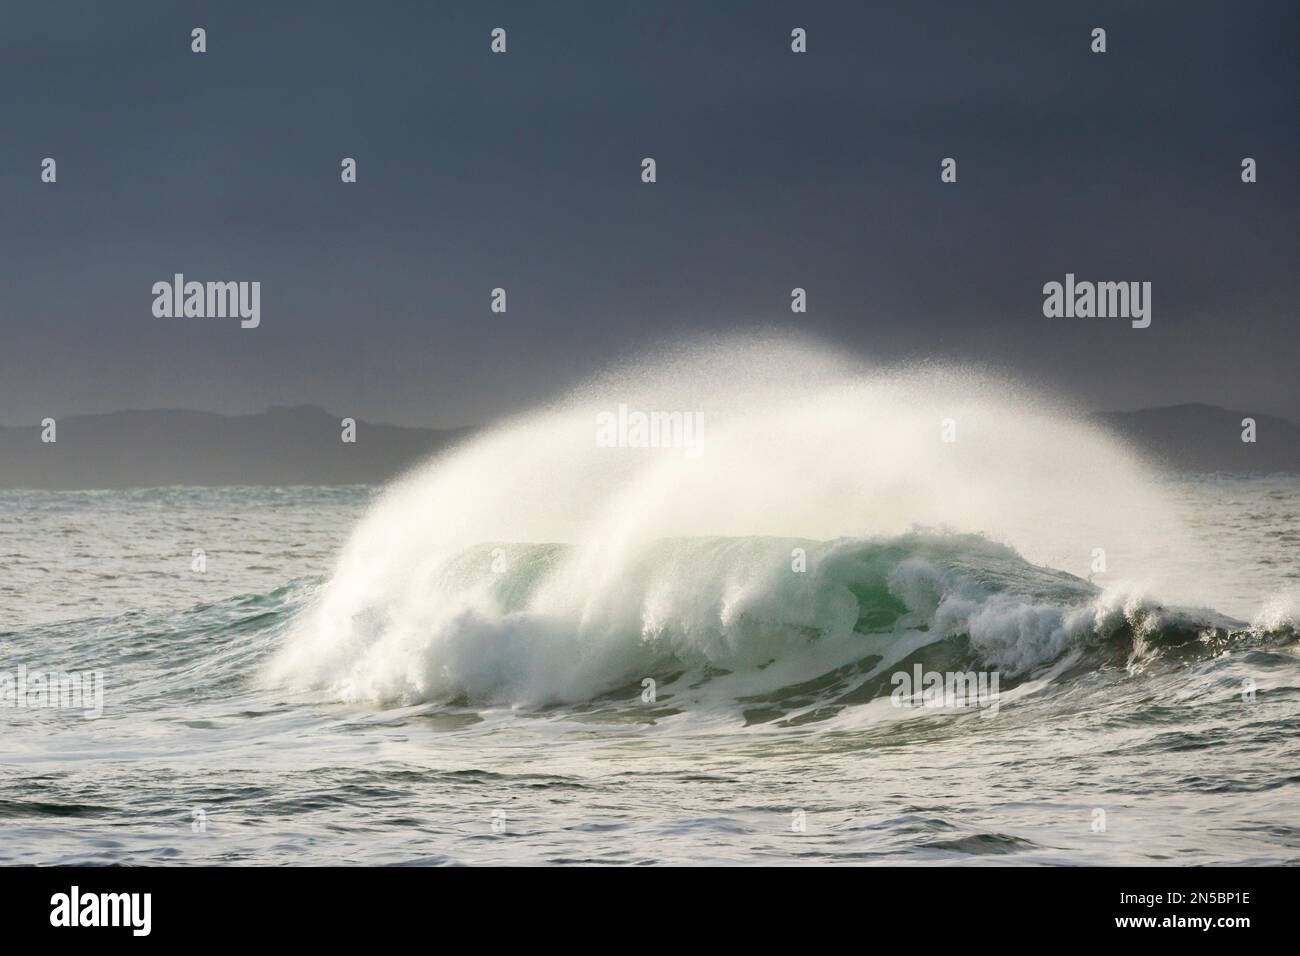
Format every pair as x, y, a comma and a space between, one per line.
538, 650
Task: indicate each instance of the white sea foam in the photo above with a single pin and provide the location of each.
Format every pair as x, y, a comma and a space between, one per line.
689, 556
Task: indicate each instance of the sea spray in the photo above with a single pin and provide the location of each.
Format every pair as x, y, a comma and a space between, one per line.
803, 445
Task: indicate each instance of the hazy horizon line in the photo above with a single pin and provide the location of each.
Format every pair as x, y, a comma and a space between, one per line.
481, 424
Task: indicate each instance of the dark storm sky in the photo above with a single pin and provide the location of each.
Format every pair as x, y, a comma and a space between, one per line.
523, 171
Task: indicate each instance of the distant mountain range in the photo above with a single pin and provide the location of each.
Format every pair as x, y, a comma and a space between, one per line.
1208, 438
301, 446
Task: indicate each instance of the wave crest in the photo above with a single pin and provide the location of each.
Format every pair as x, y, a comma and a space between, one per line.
686, 560
493, 633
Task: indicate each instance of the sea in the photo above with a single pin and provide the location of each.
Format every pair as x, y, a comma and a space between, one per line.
871, 619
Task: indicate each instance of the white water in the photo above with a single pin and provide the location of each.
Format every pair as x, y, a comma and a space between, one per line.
797, 443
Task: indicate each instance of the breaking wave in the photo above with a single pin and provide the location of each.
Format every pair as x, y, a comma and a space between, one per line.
831, 520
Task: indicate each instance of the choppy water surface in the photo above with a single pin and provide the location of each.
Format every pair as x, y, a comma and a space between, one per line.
1151, 728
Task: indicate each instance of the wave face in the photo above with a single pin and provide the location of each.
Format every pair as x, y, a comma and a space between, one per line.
533, 565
